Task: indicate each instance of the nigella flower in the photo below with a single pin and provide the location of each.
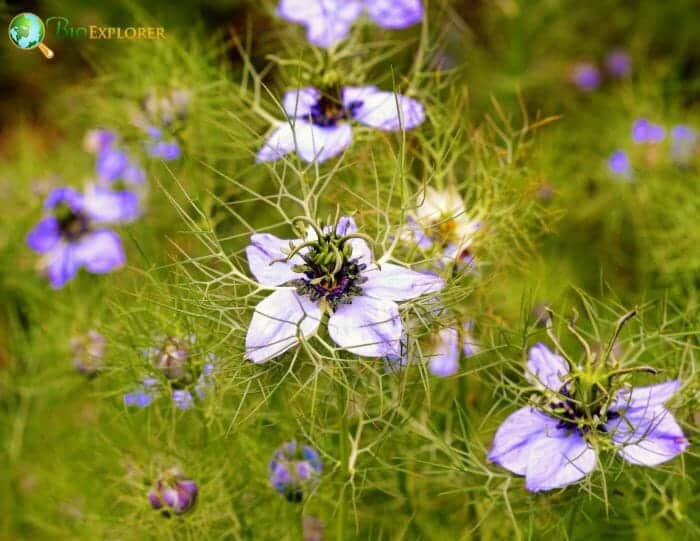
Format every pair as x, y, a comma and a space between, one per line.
619, 164
173, 492
619, 63
551, 446
331, 272
446, 347
73, 233
88, 351
114, 165
295, 469
328, 21
160, 115
586, 76
98, 140
684, 144
185, 376
318, 127
441, 221
644, 131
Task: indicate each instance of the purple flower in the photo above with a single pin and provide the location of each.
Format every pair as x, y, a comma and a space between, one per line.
555, 451
619, 63
586, 76
329, 272
97, 141
318, 127
185, 376
619, 164
328, 21
447, 345
114, 164
644, 131
72, 234
684, 144
294, 469
88, 351
173, 492
166, 150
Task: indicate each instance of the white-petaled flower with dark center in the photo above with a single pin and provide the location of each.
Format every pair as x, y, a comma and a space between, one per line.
331, 271
318, 127
441, 221
552, 447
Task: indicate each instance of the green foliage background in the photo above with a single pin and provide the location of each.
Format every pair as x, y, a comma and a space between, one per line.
404, 453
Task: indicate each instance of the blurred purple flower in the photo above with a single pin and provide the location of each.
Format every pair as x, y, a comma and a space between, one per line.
684, 144
619, 63
333, 274
553, 452
328, 21
294, 469
185, 375
72, 234
88, 351
99, 140
586, 76
166, 150
318, 127
173, 492
644, 131
619, 164
447, 345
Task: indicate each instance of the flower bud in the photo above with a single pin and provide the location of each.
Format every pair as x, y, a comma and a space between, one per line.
293, 469
87, 352
172, 492
172, 359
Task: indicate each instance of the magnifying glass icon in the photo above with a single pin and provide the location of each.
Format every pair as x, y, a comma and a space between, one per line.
27, 31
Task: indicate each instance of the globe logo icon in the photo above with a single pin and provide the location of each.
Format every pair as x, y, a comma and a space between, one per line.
27, 31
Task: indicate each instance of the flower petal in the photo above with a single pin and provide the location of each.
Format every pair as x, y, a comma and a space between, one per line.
395, 13
513, 439
71, 197
367, 327
557, 459
645, 397
279, 143
546, 369
264, 253
647, 436
99, 251
111, 164
277, 323
360, 248
396, 283
182, 398
445, 358
327, 21
140, 399
389, 111
62, 265
105, 205
45, 235
298, 102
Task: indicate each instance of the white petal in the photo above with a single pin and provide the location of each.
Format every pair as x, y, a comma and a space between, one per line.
320, 144
367, 327
264, 253
444, 360
298, 102
389, 111
397, 283
278, 323
279, 143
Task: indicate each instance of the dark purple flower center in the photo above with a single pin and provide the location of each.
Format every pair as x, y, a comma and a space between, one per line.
173, 360
72, 224
330, 272
570, 414
327, 112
